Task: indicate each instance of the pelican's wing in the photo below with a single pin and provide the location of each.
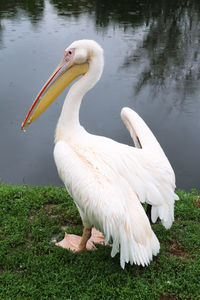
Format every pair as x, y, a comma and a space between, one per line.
148, 170
107, 199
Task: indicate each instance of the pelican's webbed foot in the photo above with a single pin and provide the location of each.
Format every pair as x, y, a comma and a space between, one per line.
80, 243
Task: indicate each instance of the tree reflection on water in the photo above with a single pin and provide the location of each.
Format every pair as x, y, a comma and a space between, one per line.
171, 48
16, 8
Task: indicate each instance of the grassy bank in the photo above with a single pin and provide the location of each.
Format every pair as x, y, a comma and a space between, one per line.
31, 267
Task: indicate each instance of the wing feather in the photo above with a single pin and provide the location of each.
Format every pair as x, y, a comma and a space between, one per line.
108, 201
156, 174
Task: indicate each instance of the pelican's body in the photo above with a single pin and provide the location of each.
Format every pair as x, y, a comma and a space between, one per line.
109, 180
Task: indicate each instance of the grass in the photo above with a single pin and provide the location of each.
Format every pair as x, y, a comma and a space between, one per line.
31, 267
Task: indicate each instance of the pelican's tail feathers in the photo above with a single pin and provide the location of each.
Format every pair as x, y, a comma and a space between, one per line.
164, 211
133, 251
139, 254
134, 239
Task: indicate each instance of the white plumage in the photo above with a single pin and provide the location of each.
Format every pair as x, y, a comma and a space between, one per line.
107, 179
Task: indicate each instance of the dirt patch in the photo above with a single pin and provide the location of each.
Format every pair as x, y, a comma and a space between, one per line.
48, 208
54, 238
176, 250
64, 227
197, 202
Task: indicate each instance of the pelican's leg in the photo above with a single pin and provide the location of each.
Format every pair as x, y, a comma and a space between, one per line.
77, 243
85, 242
96, 236
148, 212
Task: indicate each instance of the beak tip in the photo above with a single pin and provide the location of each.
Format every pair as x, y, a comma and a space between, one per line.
22, 127
26, 123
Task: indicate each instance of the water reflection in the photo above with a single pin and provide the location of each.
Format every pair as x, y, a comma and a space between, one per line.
170, 47
151, 49
17, 8
171, 50
104, 12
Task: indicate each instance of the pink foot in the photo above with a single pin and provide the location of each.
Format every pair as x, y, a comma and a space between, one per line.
72, 241
97, 237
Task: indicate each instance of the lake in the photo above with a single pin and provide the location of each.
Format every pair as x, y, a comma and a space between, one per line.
152, 65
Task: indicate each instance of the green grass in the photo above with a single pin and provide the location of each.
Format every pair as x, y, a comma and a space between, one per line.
31, 267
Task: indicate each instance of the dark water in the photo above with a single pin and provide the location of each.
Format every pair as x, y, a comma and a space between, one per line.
152, 64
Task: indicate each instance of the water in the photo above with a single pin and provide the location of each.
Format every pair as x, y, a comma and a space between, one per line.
152, 64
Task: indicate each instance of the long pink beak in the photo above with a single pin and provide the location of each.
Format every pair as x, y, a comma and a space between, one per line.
34, 111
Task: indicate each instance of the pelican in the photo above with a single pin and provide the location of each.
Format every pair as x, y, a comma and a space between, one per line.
107, 180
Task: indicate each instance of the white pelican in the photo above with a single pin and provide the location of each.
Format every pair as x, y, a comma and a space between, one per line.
107, 180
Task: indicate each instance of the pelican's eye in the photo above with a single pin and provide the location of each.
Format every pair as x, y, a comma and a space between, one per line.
68, 55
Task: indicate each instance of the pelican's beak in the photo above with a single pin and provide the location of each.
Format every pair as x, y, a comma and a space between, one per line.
64, 74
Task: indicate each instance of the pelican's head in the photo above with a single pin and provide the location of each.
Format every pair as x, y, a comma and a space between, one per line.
75, 62
83, 51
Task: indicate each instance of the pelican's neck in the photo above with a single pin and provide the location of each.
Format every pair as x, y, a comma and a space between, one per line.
69, 119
